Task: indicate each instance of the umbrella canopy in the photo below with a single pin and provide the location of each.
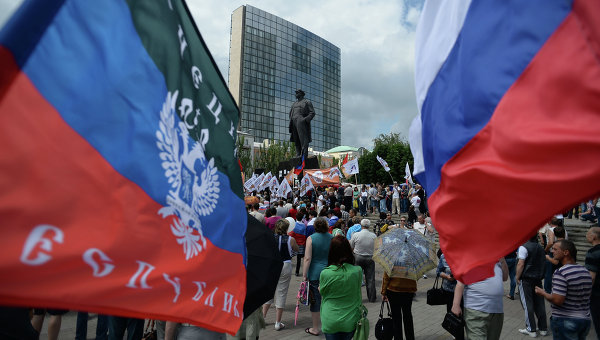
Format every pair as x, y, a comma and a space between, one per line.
251, 200
264, 265
405, 253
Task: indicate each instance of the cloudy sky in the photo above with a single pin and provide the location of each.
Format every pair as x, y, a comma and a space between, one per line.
376, 38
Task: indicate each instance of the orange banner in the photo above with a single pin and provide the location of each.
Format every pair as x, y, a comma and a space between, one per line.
324, 177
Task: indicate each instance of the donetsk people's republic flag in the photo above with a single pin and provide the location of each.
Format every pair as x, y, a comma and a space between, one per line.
509, 99
121, 192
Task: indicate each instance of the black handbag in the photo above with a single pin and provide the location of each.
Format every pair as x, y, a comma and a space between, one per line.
436, 295
453, 324
384, 328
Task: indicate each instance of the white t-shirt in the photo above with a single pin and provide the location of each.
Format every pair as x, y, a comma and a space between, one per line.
522, 253
420, 227
348, 191
395, 192
415, 201
320, 201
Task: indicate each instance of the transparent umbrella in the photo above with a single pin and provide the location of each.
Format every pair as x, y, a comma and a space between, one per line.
405, 253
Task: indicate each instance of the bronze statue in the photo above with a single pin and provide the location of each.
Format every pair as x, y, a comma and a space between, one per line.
301, 114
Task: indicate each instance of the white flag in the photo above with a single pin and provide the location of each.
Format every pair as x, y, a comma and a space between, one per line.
335, 172
248, 183
284, 189
265, 181
273, 184
257, 181
407, 175
351, 167
383, 163
305, 185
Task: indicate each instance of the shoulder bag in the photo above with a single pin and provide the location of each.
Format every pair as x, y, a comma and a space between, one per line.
436, 295
384, 328
362, 325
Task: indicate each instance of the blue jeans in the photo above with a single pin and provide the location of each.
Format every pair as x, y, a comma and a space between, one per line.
569, 328
403, 205
314, 290
339, 336
362, 207
512, 271
382, 206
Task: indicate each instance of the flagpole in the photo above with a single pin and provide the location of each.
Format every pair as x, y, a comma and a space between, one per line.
389, 173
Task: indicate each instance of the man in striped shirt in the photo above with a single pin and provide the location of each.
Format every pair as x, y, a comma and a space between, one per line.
570, 298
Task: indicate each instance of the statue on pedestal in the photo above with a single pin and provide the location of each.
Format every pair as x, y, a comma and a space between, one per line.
301, 114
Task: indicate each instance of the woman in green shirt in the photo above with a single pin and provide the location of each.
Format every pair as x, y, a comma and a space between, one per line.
340, 285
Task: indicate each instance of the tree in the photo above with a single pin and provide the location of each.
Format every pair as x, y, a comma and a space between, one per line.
394, 150
244, 157
268, 158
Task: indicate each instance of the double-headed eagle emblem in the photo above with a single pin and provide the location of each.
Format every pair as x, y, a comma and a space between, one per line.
194, 190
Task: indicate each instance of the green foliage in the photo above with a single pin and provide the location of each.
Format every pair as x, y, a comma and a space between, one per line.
268, 158
244, 156
391, 148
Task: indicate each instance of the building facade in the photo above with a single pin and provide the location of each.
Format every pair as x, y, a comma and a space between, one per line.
269, 59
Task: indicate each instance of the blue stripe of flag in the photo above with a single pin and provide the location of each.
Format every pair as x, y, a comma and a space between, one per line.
495, 45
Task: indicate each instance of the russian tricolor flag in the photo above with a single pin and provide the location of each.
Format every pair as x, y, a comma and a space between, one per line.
120, 190
508, 131
298, 169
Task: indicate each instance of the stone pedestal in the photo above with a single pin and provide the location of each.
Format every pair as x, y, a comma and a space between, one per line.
312, 162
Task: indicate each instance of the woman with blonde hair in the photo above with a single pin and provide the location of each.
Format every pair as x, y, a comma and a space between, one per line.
287, 248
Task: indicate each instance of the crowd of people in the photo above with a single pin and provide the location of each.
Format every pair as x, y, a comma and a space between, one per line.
534, 267
335, 250
334, 244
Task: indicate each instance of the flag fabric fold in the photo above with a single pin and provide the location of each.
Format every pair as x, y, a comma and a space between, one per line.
249, 184
506, 135
259, 181
273, 184
284, 189
298, 169
383, 163
265, 181
407, 175
119, 176
351, 167
305, 185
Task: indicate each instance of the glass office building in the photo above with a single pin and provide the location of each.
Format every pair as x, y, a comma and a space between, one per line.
269, 59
